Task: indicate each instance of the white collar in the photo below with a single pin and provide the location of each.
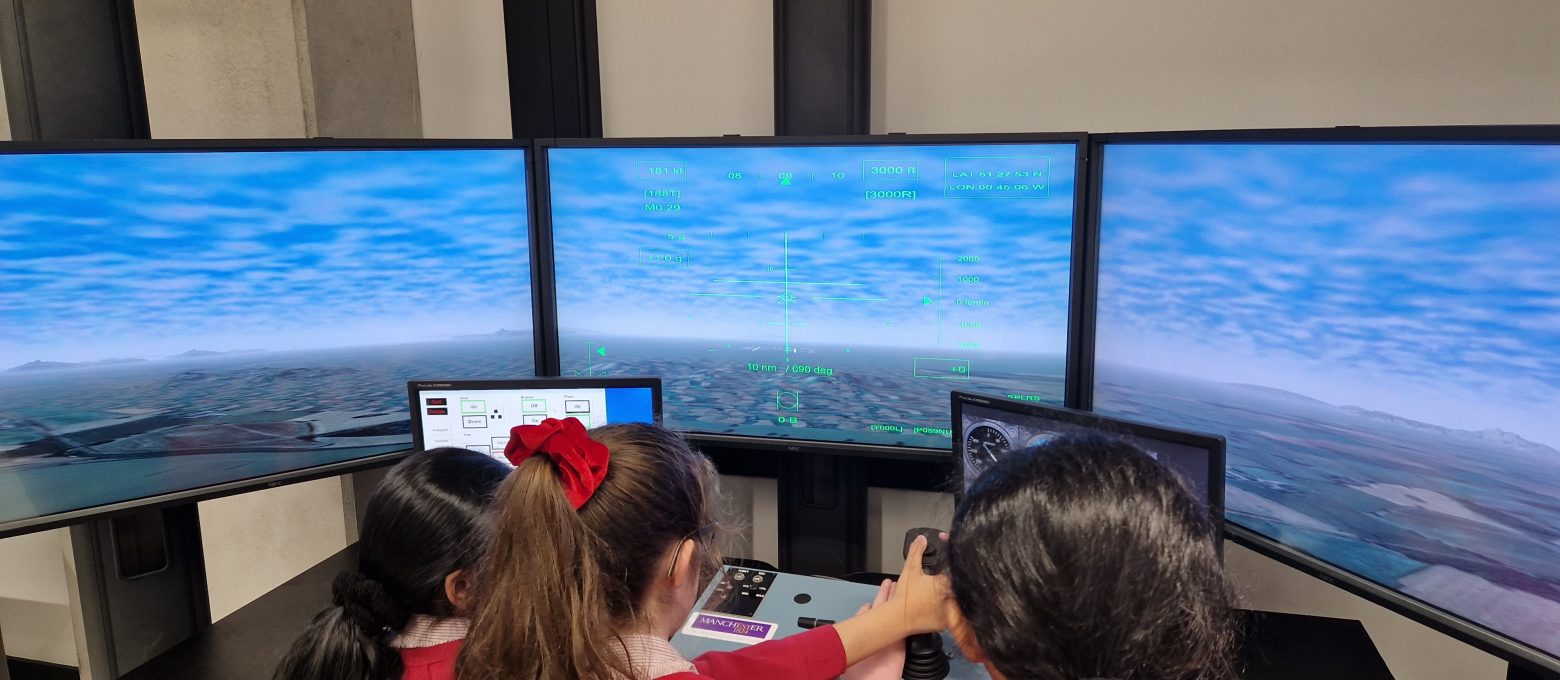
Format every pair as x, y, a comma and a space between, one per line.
651, 656
423, 630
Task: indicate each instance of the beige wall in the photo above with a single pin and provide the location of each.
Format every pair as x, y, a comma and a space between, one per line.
691, 67
256, 541
34, 602
218, 69
462, 69
363, 68
5, 118
1113, 65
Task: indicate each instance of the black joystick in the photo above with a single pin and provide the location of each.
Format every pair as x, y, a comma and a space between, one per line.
934, 559
924, 656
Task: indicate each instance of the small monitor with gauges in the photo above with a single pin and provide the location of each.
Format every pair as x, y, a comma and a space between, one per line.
986, 428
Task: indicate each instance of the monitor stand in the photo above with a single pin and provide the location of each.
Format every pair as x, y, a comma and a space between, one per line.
823, 514
137, 587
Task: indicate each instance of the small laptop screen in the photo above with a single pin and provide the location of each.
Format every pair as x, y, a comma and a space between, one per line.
479, 416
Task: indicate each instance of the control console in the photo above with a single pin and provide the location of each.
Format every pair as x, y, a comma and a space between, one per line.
745, 606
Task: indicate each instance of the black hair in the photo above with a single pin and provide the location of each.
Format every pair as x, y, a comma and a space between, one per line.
424, 522
1085, 558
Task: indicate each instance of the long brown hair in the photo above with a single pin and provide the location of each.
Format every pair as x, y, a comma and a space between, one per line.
556, 585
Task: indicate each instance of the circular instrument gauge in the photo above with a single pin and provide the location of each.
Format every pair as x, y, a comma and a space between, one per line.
983, 443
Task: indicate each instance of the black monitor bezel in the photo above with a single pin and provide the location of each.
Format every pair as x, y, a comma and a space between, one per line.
415, 387
269, 481
547, 288
1420, 611
1213, 443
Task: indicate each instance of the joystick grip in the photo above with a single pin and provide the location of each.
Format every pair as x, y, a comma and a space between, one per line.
935, 557
924, 656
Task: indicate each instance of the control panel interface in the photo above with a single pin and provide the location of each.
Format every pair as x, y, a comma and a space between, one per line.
480, 420
987, 434
831, 293
740, 591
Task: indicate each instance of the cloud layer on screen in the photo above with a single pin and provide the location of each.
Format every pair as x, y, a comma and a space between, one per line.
1414, 279
109, 255
737, 229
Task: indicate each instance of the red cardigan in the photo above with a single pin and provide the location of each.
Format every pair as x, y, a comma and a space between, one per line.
817, 653
430, 663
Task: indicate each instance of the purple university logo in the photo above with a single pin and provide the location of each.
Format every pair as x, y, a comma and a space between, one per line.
755, 631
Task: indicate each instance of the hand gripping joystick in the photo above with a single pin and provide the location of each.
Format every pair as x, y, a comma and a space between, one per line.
924, 657
934, 559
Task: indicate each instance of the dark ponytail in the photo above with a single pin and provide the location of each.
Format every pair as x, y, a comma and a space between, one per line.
424, 522
366, 603
351, 639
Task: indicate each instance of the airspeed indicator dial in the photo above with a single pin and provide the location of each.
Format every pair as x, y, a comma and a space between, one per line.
984, 443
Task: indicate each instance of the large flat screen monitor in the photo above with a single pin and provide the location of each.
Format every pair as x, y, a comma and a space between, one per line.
1373, 323
179, 321
989, 428
821, 295
478, 414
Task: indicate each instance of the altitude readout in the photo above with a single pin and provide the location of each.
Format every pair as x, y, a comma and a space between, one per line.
890, 170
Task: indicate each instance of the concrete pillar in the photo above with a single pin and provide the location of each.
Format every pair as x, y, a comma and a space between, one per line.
219, 69
5, 135
361, 63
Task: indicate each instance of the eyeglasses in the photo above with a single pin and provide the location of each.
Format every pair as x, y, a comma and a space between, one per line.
676, 554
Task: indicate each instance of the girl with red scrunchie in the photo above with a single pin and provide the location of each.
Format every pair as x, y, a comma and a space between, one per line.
603, 543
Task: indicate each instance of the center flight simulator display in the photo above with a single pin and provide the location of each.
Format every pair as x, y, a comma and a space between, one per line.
832, 293
173, 320
1376, 330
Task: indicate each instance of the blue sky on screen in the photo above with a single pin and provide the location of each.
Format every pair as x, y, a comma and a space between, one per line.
150, 254
1413, 279
889, 250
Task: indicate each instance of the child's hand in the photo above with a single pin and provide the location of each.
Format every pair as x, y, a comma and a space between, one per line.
921, 599
888, 664
916, 604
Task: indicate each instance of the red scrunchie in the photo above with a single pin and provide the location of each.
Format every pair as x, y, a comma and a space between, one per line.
581, 461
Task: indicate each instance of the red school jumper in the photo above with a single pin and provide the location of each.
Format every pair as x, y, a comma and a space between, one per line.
430, 663
817, 653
